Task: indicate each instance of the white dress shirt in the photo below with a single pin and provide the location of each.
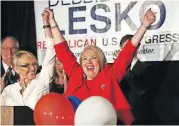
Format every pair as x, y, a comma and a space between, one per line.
134, 61
37, 88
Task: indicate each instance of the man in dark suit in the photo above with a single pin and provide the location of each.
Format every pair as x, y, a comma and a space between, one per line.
9, 46
166, 102
140, 87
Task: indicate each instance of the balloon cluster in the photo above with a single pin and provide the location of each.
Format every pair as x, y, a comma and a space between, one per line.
55, 109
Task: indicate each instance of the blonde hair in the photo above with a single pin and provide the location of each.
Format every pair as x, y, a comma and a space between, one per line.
20, 54
99, 53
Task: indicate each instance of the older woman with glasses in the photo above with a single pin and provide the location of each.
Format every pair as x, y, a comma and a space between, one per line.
31, 86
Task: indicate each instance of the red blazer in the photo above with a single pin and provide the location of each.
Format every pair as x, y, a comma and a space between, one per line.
105, 84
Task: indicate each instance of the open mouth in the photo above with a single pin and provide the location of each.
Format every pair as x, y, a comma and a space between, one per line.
90, 68
60, 70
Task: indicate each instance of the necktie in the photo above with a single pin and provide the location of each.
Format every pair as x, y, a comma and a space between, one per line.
10, 76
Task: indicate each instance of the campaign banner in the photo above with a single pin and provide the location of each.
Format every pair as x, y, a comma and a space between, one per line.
103, 23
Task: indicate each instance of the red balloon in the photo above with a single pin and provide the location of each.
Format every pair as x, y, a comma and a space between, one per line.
54, 109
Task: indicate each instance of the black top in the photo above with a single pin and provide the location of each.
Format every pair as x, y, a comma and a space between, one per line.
53, 86
56, 88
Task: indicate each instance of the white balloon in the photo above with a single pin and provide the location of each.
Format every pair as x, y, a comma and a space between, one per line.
95, 110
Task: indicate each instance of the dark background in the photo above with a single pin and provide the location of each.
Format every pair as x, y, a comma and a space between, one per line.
18, 20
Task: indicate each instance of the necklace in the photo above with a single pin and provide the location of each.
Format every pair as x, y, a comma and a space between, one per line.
24, 86
23, 89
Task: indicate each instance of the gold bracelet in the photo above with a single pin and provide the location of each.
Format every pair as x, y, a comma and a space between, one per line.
144, 25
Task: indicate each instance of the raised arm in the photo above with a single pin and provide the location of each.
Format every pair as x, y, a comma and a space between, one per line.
63, 52
54, 28
149, 19
46, 24
125, 57
48, 65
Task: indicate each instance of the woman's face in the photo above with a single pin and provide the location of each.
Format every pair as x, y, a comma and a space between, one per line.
90, 64
59, 66
27, 67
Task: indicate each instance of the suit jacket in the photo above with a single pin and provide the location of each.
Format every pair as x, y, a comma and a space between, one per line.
2, 69
140, 88
10, 78
166, 103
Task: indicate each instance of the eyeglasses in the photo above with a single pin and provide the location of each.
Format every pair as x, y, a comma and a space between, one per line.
9, 48
29, 65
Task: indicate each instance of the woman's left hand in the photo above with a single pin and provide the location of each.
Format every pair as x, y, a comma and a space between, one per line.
149, 18
51, 14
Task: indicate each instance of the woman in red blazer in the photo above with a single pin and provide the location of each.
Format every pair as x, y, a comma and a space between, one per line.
93, 77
